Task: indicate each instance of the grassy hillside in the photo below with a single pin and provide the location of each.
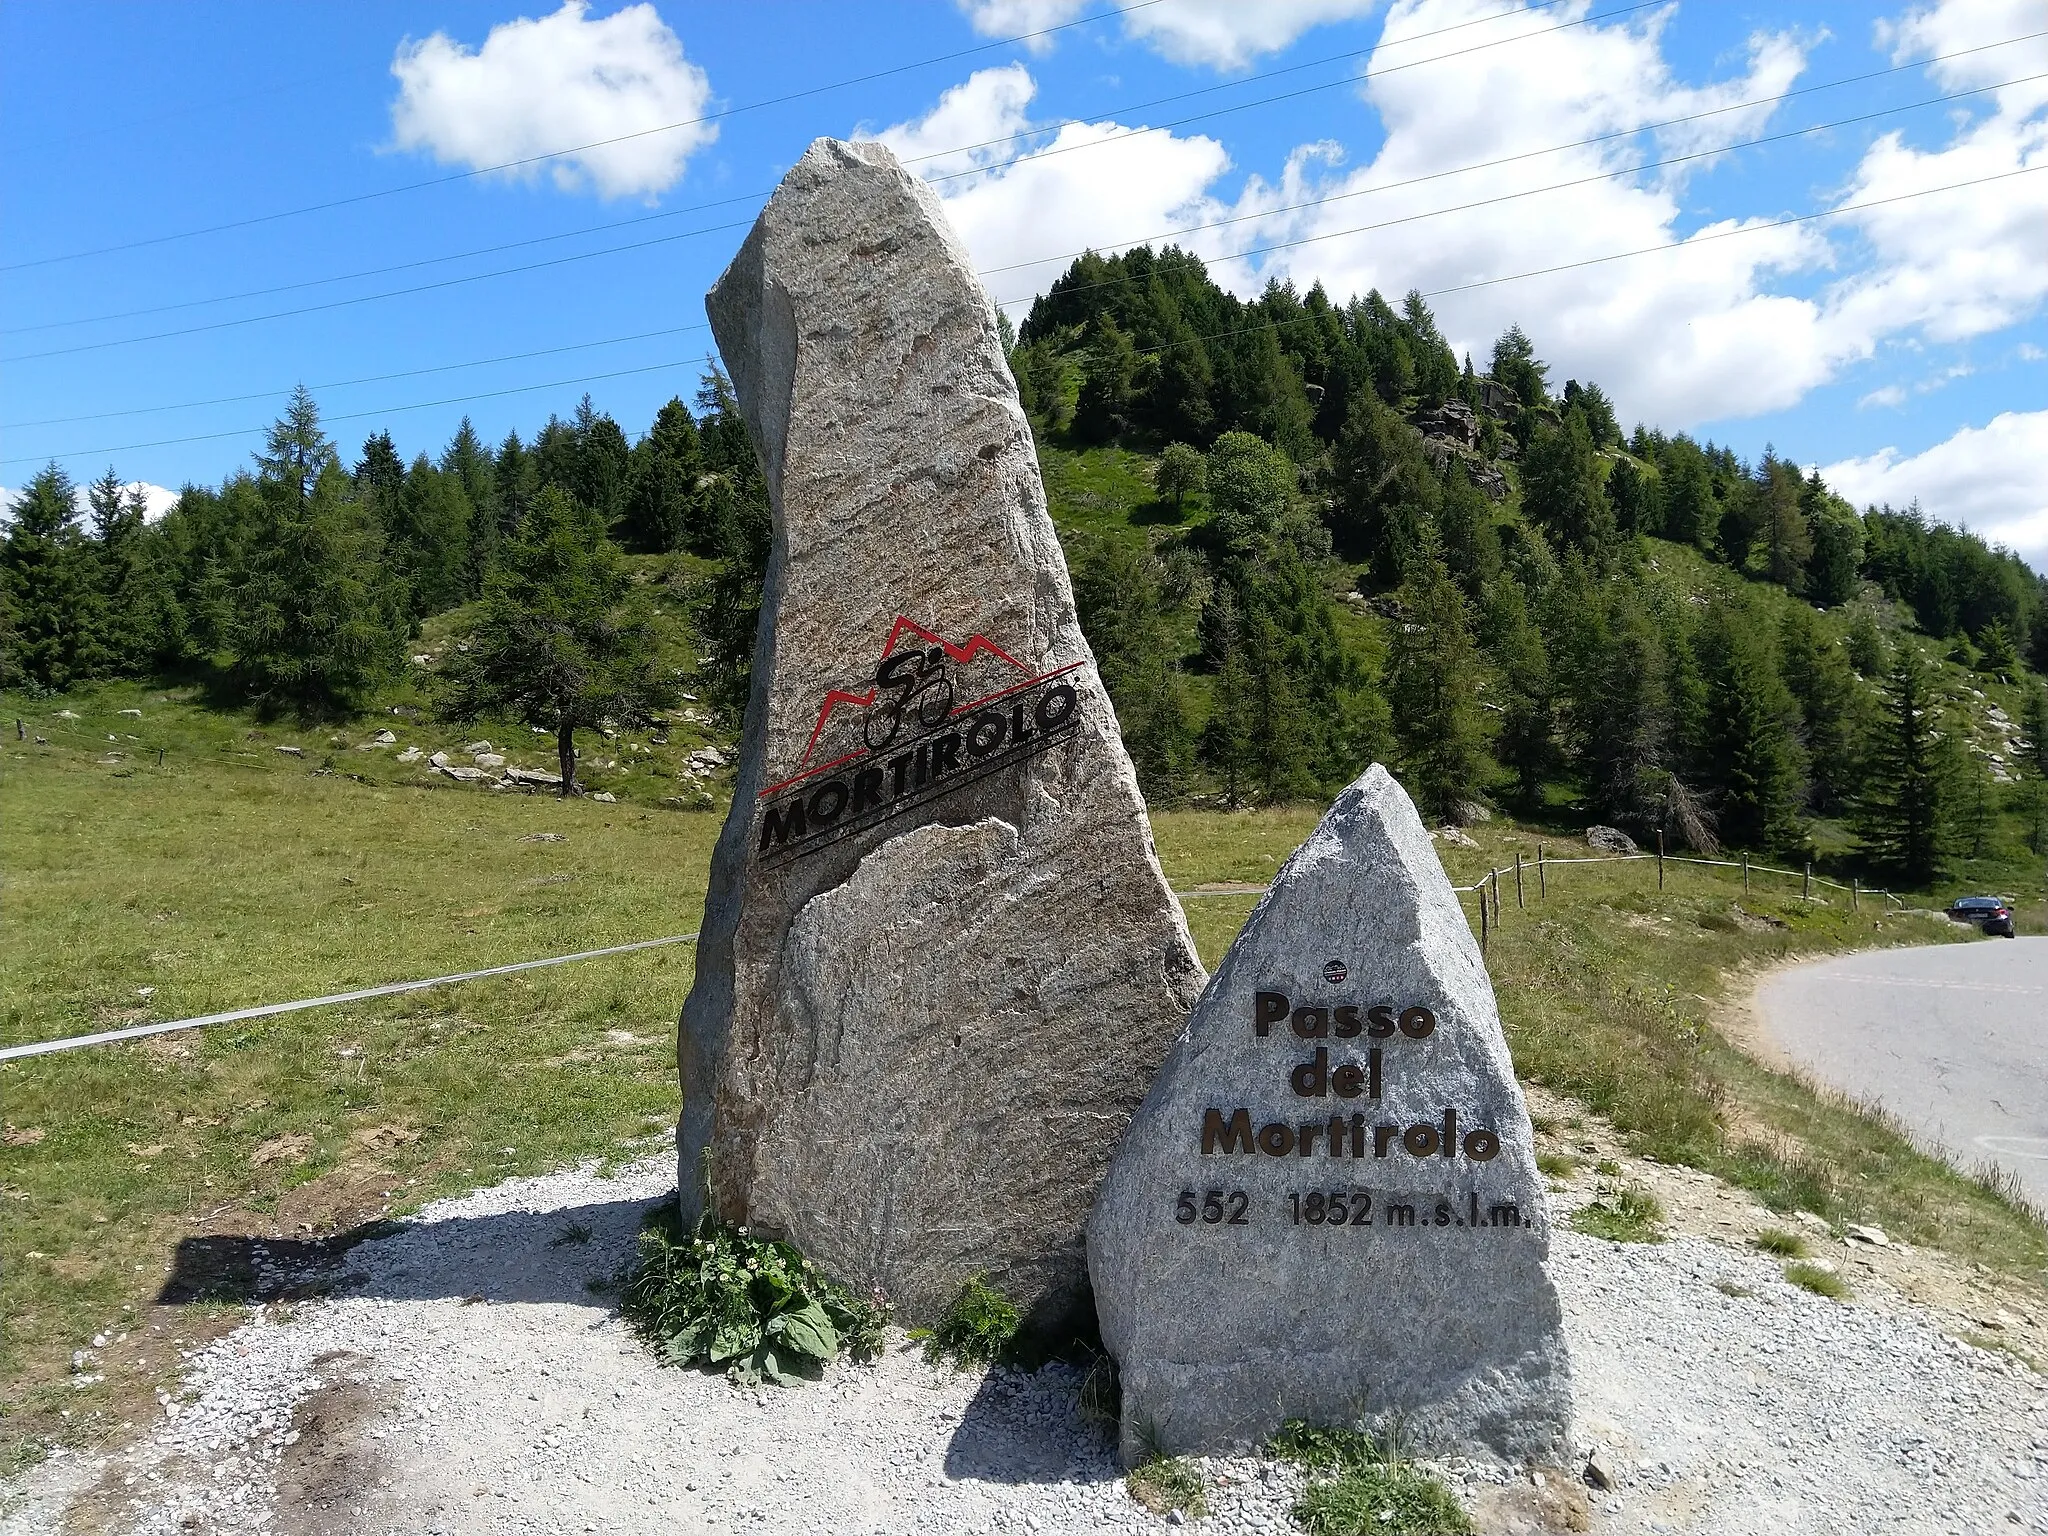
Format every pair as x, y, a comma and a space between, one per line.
234, 875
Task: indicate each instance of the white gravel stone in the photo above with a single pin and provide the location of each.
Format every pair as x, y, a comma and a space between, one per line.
534, 1409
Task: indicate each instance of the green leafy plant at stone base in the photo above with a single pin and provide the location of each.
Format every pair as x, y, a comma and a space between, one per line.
1632, 1216
980, 1327
1166, 1484
719, 1295
1375, 1490
1822, 1282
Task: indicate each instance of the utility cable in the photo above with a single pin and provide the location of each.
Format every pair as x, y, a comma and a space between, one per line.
752, 198
1652, 127
558, 261
1590, 261
1120, 9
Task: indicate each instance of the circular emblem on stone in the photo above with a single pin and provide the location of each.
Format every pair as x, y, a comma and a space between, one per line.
1335, 972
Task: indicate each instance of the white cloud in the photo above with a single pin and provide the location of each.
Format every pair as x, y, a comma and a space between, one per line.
541, 85
1683, 335
1221, 34
1020, 18
1041, 207
1992, 479
1229, 34
1962, 263
989, 106
157, 500
1890, 395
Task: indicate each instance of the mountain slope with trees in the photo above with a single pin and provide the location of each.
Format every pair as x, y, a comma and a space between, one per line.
1303, 535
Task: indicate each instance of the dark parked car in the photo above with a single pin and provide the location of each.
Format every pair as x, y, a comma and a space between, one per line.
1991, 913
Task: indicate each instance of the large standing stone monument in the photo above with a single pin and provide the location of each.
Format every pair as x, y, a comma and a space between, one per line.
1328, 1207
939, 964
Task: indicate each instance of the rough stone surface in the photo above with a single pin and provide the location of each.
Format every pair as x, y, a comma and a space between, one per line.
1446, 1317
1610, 840
929, 999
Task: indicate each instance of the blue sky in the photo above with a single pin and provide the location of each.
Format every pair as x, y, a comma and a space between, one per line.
1900, 344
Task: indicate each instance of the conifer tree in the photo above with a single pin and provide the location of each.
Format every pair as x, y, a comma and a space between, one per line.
1516, 369
1561, 489
2036, 727
1118, 598
564, 642
1526, 743
1751, 758
1868, 653
1899, 810
1691, 514
467, 460
430, 543
134, 611
1836, 565
1471, 542
662, 502
1433, 687
49, 586
1103, 411
1633, 495
312, 627
1996, 654
1831, 706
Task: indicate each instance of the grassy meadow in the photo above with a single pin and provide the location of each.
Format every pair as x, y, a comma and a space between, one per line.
230, 875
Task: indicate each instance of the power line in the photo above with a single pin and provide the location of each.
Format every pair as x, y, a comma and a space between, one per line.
755, 197
1487, 202
373, 378
1651, 127
559, 261
1512, 277
577, 149
389, 410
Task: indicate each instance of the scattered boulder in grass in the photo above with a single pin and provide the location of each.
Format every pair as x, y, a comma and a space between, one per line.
1455, 836
477, 746
293, 751
534, 776
410, 755
438, 760
65, 714
462, 772
132, 714
545, 837
1610, 840
490, 759
605, 797
384, 739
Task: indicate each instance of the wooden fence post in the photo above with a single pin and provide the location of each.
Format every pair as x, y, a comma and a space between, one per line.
1660, 858
1493, 876
1542, 883
1519, 903
1806, 885
1854, 904
1483, 925
1745, 874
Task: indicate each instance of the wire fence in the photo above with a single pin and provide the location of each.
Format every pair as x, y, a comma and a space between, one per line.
1487, 886
391, 989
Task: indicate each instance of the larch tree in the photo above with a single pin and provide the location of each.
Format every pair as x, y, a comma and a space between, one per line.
563, 641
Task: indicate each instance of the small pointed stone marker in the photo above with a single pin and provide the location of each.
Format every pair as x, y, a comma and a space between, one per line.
1328, 1207
939, 965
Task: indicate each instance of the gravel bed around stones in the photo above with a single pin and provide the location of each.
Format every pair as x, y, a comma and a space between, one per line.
471, 1375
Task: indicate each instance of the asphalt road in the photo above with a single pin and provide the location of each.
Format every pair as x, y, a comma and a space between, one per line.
1952, 1039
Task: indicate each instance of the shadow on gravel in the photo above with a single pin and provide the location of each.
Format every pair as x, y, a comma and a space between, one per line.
1027, 1428
569, 1255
